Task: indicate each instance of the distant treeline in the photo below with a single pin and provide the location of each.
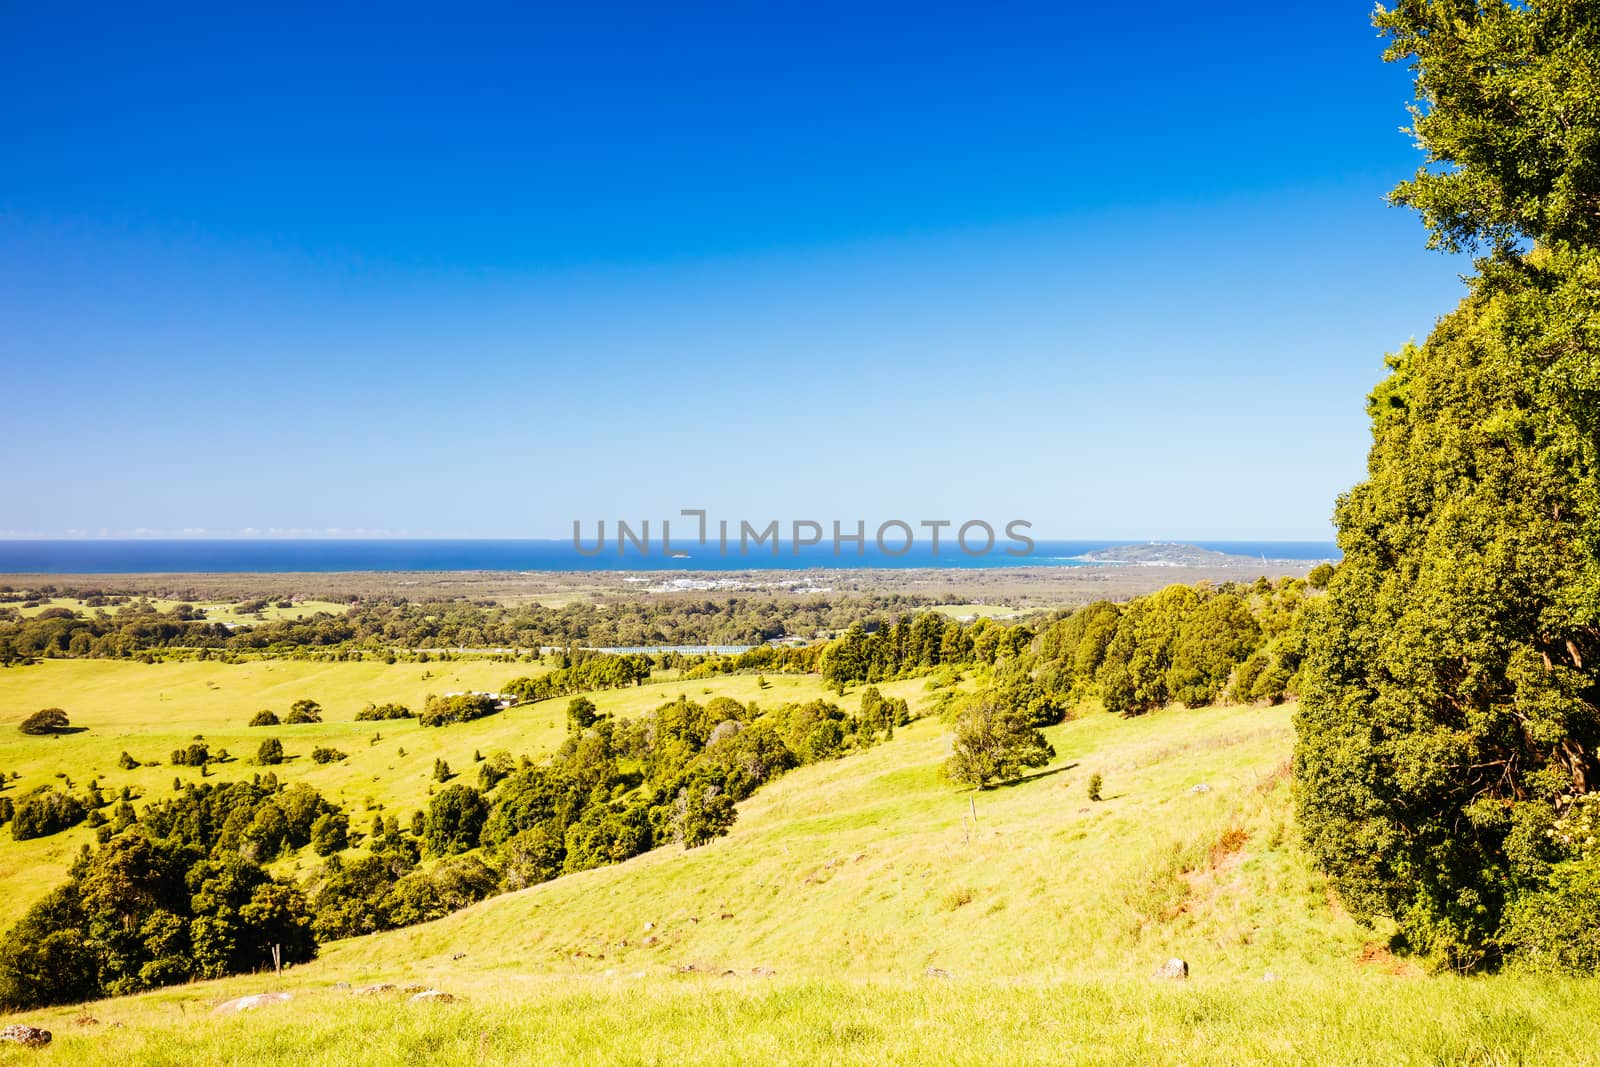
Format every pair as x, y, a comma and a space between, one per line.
1191, 645
383, 624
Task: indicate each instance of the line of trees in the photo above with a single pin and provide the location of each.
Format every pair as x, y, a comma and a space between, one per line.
382, 624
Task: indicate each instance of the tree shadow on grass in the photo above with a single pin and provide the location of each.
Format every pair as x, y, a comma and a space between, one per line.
1034, 777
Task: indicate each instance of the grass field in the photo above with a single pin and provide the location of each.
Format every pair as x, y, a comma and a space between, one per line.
148, 710
975, 611
857, 914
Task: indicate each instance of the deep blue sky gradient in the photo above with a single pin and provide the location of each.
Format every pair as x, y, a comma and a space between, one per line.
477, 272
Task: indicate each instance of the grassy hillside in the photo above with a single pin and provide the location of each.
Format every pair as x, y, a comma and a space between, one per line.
148, 710
856, 915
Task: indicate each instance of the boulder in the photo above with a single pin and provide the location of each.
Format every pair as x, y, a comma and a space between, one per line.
26, 1036
1174, 969
432, 996
374, 990
238, 1004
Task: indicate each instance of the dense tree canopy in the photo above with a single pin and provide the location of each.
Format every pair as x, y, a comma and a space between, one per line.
1451, 701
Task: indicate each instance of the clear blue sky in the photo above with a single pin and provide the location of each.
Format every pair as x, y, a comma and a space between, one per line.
1122, 272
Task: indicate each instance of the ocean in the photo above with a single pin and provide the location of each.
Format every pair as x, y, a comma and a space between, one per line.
92, 556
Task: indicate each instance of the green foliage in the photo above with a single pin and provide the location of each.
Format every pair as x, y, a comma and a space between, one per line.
127, 762
608, 833
532, 856
45, 811
270, 752
324, 754
581, 713
1508, 108
1096, 783
1452, 679
383, 712
494, 769
197, 754
595, 672
461, 707
330, 833
1320, 576
174, 897
441, 771
701, 812
455, 819
264, 717
302, 712
45, 722
994, 740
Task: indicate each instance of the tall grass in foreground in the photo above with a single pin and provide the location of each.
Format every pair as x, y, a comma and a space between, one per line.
710, 1020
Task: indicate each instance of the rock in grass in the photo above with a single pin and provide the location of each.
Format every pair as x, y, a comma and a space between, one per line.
1174, 969
374, 990
26, 1036
432, 996
238, 1004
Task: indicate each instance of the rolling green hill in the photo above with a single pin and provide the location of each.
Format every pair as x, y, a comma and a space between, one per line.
857, 914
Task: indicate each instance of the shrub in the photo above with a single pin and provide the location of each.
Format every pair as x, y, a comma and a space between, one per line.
45, 812
47, 721
302, 712
455, 818
196, 755
1553, 930
462, 707
531, 857
265, 717
994, 741
581, 713
382, 712
701, 813
323, 754
270, 752
127, 762
1095, 785
330, 833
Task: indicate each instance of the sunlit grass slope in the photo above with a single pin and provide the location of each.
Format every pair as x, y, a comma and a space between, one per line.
856, 915
148, 710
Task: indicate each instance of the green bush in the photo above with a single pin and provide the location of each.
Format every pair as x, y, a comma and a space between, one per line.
455, 819
264, 717
47, 721
463, 707
322, 754
44, 812
302, 712
330, 833
1554, 929
994, 741
382, 712
196, 755
270, 752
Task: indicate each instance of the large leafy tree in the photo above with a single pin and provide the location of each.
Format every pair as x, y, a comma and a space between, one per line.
1451, 704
